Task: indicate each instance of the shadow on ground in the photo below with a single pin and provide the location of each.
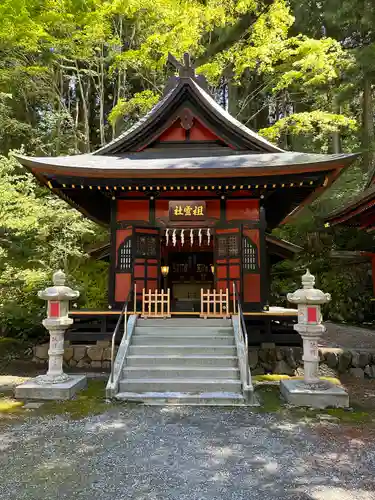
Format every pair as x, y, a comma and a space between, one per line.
87, 448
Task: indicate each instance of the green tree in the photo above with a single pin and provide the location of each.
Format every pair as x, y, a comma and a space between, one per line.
39, 234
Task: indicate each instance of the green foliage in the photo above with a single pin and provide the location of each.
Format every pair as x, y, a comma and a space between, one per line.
349, 283
134, 108
316, 127
74, 74
39, 234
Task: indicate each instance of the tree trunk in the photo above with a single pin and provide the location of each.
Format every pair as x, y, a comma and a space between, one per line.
84, 98
233, 96
58, 125
336, 136
368, 127
101, 97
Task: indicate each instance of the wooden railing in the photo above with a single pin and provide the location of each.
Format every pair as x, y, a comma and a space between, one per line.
214, 304
156, 304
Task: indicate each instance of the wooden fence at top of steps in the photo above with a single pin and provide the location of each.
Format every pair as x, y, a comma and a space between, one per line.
214, 304
156, 304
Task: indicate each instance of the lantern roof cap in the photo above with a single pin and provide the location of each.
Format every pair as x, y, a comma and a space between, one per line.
308, 294
58, 291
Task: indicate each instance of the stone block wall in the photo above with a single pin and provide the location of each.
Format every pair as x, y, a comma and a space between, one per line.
280, 360
333, 361
96, 356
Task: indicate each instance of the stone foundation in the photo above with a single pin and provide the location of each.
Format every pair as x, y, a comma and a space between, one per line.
96, 357
265, 359
333, 361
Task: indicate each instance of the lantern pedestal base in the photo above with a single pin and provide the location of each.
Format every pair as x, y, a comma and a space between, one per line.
63, 390
324, 395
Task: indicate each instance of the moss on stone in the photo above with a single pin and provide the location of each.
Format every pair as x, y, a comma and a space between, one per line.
8, 404
91, 401
275, 377
270, 401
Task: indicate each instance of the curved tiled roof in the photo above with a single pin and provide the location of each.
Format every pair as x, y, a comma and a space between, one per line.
147, 164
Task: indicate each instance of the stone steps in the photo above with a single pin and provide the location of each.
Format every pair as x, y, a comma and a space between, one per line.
183, 322
183, 349
181, 360
184, 331
176, 372
195, 385
184, 399
177, 340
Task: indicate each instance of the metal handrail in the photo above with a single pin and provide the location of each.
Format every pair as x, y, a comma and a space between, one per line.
123, 314
242, 330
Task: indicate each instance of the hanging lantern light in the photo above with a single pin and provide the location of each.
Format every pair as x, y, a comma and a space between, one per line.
165, 271
212, 268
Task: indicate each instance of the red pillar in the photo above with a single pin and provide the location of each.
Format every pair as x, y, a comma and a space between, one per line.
373, 273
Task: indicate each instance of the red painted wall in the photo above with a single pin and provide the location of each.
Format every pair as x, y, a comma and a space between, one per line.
198, 132
133, 210
161, 208
213, 209
251, 281
174, 133
121, 234
123, 284
122, 280
251, 287
242, 209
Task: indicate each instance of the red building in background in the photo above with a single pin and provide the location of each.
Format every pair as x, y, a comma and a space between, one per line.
358, 213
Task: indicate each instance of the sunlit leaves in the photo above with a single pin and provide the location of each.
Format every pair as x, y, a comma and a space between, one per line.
316, 125
38, 234
133, 108
312, 62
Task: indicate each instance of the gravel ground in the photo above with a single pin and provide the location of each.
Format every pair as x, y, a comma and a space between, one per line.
348, 337
153, 453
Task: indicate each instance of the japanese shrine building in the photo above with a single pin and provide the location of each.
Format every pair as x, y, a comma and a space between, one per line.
191, 193
358, 213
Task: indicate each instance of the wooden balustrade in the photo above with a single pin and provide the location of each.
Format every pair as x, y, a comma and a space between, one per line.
156, 304
214, 304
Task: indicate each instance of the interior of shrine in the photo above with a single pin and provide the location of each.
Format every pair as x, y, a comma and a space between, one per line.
187, 266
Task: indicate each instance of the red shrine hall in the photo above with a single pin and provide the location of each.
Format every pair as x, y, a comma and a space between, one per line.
358, 213
191, 197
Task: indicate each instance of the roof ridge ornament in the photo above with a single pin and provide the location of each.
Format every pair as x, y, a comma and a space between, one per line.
185, 70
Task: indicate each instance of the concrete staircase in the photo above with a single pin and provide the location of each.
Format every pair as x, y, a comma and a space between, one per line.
182, 362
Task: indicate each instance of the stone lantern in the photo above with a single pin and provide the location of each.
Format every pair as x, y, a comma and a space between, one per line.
55, 384
312, 391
